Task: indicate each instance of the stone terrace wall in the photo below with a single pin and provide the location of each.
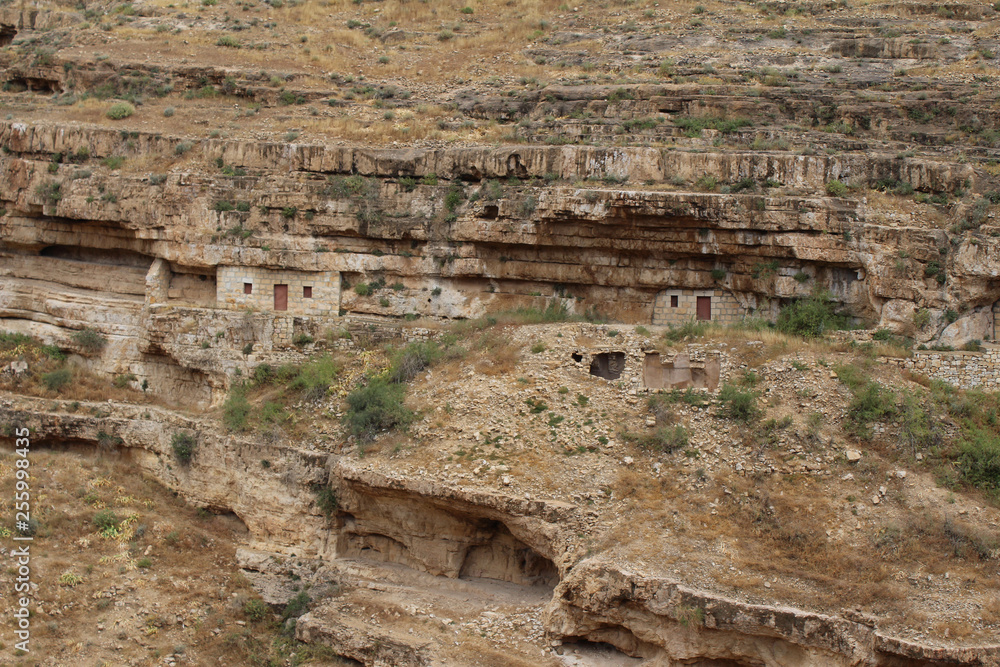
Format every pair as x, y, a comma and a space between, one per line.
966, 370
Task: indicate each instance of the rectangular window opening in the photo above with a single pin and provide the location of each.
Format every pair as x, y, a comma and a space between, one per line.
307, 292
248, 288
673, 301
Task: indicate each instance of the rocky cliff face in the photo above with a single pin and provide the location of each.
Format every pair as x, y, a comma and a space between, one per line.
204, 192
455, 233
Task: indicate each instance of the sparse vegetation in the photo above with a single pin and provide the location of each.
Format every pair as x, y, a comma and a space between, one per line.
184, 445
120, 110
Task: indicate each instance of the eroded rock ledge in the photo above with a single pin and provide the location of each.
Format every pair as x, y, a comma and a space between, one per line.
387, 525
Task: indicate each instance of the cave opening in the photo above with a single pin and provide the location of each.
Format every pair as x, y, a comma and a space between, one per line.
7, 34
506, 558
608, 365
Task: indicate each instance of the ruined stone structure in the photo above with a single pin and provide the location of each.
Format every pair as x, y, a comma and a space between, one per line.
966, 370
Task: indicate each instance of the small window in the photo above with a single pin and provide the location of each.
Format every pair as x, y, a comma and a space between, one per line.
307, 292
673, 301
248, 288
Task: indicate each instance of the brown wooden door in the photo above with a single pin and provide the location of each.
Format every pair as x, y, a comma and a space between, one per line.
704, 307
281, 297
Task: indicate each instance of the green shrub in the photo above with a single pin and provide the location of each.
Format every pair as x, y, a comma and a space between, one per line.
236, 409
51, 191
835, 188
326, 499
407, 362
120, 110
363, 289
297, 606
974, 345
491, 191
871, 402
89, 340
376, 407
979, 457
255, 610
105, 519
313, 378
810, 318
124, 380
57, 379
183, 445
228, 41
144, 563
738, 405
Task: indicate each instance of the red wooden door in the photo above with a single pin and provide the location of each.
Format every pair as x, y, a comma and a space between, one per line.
281, 297
704, 307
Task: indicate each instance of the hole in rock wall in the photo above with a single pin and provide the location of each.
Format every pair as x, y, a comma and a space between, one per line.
608, 365
506, 558
491, 211
680, 372
577, 357
33, 84
597, 653
7, 34
613, 640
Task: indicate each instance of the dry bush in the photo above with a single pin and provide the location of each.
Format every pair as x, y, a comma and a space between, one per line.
498, 354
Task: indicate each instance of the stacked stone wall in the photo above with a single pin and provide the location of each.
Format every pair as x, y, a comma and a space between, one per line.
966, 370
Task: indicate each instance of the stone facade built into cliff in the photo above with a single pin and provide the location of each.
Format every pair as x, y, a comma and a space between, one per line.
673, 307
315, 294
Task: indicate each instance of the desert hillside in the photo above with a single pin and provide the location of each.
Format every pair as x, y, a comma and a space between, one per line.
505, 333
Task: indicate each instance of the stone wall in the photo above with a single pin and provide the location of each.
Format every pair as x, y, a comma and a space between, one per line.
725, 308
966, 370
996, 320
325, 287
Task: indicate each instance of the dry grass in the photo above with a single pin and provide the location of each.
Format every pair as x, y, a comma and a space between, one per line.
184, 547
